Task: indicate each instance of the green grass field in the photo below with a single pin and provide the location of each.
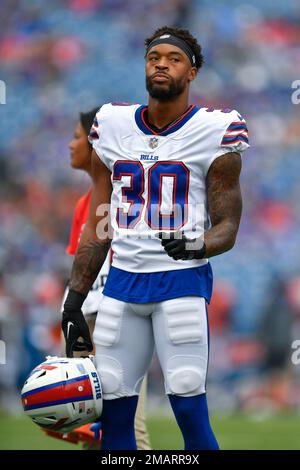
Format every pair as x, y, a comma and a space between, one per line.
233, 432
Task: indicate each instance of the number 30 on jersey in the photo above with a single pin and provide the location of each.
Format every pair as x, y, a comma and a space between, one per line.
161, 177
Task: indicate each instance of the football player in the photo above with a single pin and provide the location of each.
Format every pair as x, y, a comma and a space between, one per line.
166, 190
80, 154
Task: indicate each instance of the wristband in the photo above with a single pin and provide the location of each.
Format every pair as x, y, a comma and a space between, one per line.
74, 301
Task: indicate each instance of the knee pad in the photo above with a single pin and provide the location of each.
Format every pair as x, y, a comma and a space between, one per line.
184, 381
185, 376
112, 379
111, 376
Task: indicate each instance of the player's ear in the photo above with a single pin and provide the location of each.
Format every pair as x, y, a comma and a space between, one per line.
192, 73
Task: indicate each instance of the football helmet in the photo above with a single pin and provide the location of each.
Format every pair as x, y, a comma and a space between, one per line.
62, 393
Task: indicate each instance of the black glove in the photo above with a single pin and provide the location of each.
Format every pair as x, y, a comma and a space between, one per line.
178, 246
74, 325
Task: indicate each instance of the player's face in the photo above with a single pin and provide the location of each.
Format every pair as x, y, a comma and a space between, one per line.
80, 151
168, 72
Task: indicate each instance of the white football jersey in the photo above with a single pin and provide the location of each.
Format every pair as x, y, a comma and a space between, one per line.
159, 179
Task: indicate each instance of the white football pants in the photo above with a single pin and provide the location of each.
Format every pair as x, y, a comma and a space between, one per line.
125, 335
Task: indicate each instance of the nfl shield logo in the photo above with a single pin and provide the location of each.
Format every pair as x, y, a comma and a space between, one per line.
153, 142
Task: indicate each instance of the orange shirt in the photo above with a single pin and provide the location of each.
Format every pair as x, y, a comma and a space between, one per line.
80, 217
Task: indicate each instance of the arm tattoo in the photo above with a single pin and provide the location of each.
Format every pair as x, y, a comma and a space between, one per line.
224, 203
87, 264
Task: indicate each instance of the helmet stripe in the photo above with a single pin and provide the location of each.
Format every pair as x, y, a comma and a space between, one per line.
57, 402
56, 384
63, 392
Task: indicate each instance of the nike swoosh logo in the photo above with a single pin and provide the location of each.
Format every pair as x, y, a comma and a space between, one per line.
68, 327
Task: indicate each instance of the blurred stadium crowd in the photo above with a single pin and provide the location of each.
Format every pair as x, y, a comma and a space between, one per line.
65, 56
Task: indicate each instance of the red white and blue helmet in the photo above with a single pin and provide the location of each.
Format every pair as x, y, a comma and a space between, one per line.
63, 393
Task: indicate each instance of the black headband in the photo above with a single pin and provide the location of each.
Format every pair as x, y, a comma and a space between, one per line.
168, 39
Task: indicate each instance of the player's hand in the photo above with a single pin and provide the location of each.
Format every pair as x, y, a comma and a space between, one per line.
178, 246
74, 325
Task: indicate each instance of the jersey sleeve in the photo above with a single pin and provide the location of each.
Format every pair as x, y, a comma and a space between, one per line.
96, 132
230, 135
235, 137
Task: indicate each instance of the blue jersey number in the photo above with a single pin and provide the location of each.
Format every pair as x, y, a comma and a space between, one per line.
132, 194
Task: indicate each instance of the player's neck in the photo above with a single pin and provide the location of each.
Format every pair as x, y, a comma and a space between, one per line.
161, 114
